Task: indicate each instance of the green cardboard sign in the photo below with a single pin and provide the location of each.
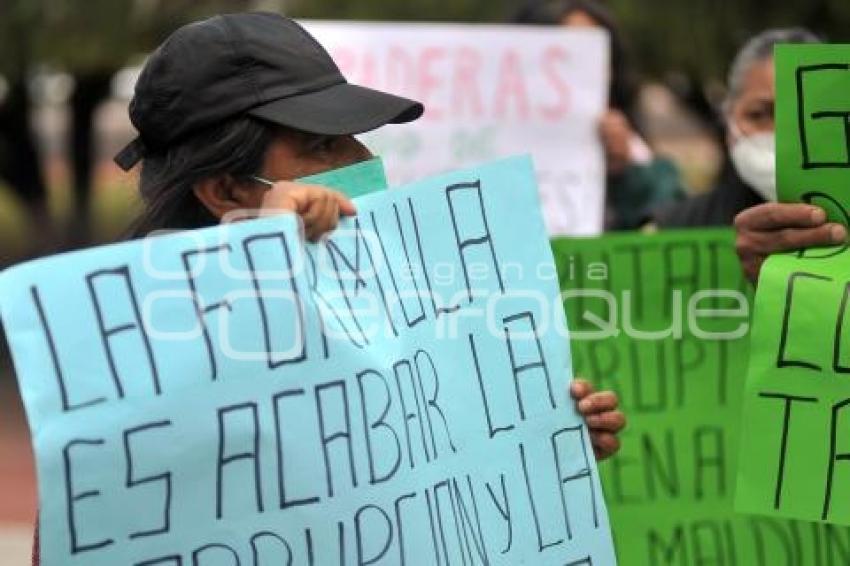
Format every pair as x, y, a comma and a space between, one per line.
645, 323
813, 126
793, 450
795, 461
354, 180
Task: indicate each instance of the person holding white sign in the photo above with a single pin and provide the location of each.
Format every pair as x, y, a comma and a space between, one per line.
637, 179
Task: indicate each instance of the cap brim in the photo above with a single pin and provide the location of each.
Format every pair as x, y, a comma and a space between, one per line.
339, 110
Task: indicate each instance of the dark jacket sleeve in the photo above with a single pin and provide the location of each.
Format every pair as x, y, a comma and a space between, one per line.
35, 557
718, 207
633, 194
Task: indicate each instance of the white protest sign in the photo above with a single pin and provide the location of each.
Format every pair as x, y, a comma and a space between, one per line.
489, 91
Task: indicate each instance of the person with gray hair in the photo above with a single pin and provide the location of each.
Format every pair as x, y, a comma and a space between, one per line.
770, 227
748, 178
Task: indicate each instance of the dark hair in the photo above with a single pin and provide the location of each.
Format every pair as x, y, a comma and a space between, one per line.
235, 147
623, 91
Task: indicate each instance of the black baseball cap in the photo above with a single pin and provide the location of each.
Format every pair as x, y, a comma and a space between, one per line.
260, 64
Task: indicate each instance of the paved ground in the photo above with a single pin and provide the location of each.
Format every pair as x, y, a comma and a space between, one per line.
15, 541
17, 478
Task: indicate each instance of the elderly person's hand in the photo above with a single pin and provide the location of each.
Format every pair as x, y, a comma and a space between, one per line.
775, 227
601, 416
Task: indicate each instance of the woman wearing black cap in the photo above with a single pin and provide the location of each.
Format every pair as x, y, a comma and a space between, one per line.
240, 97
236, 97
227, 103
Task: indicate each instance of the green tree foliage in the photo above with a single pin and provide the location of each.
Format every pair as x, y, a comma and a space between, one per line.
405, 10
85, 35
90, 40
694, 37
700, 37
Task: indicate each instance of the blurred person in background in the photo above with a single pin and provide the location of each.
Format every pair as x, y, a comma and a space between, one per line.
638, 180
746, 193
749, 178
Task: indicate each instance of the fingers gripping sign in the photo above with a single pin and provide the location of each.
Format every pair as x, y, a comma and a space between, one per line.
778, 227
318, 208
601, 415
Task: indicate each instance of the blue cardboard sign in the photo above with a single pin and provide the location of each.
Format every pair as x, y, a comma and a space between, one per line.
395, 394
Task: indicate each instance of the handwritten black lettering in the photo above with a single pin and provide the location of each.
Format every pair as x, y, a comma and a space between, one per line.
406, 366
519, 369
837, 366
541, 544
402, 557
470, 521
504, 508
54, 358
835, 210
201, 308
299, 353
491, 429
801, 74
788, 401
353, 268
583, 473
277, 402
106, 333
452, 193
834, 456
164, 478
781, 359
688, 257
344, 434
657, 472
217, 549
378, 424
280, 543
173, 560
252, 454
673, 551
381, 516
73, 498
706, 457
636, 254
430, 403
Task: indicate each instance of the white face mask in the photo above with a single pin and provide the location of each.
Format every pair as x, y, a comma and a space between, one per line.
754, 157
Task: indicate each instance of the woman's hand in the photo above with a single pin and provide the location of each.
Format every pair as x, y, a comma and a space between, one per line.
616, 134
318, 207
600, 414
777, 227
